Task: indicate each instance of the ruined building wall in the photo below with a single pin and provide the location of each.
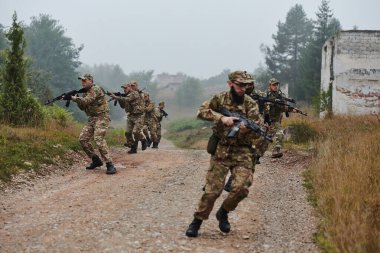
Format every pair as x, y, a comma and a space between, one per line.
351, 64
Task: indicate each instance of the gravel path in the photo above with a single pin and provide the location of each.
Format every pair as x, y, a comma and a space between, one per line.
148, 204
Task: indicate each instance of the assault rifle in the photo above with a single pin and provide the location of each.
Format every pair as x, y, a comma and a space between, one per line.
117, 94
250, 124
164, 113
262, 100
67, 96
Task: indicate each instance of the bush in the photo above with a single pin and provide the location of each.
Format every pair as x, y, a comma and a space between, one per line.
186, 124
302, 132
60, 115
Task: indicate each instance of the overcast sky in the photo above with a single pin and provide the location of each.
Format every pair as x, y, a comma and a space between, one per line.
196, 37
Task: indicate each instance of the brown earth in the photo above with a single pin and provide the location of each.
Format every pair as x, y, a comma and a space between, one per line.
148, 204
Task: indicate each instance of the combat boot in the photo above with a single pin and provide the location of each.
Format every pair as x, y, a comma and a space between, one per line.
192, 230
110, 168
128, 145
133, 149
276, 153
257, 159
155, 145
143, 144
148, 141
222, 217
96, 162
228, 185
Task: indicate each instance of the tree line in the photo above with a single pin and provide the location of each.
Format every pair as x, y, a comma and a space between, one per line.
50, 61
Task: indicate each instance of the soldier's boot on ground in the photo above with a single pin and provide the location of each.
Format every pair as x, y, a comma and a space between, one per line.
222, 217
192, 230
96, 162
148, 141
257, 159
133, 149
143, 144
276, 153
110, 168
228, 185
155, 145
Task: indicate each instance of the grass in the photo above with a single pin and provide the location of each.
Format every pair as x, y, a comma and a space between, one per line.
26, 148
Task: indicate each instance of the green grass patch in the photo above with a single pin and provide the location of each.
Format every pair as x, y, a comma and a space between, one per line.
186, 133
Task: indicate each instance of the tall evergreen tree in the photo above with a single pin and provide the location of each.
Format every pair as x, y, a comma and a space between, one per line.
291, 38
17, 106
53, 52
309, 83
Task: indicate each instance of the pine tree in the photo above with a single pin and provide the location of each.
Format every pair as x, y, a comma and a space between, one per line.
309, 82
291, 38
17, 106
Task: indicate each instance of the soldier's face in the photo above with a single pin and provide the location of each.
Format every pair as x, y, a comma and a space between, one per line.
274, 87
86, 82
239, 87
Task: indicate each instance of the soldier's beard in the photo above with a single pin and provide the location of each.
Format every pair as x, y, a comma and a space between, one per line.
236, 98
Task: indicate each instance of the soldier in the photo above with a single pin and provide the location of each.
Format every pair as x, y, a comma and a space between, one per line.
275, 113
160, 114
231, 154
135, 119
95, 105
124, 105
150, 121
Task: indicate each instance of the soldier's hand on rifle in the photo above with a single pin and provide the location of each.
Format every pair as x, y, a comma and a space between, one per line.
112, 95
228, 121
243, 129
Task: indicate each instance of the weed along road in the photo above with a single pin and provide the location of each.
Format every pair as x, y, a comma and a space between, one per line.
148, 204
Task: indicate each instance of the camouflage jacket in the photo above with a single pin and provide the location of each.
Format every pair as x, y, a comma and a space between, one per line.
149, 107
133, 103
275, 111
93, 102
249, 109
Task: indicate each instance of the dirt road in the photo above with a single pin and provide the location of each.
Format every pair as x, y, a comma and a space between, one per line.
148, 204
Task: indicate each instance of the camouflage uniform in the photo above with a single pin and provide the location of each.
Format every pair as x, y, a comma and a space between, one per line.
232, 154
150, 121
134, 106
275, 114
95, 105
159, 115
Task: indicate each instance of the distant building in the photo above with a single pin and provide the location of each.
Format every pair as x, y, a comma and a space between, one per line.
165, 80
351, 67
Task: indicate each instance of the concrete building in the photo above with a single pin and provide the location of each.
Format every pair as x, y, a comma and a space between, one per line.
351, 68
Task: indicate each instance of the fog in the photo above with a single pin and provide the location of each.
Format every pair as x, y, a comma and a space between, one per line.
198, 38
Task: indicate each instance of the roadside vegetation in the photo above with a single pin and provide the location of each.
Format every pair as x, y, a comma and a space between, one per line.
343, 179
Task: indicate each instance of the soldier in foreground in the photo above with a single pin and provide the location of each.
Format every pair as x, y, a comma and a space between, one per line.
95, 105
229, 154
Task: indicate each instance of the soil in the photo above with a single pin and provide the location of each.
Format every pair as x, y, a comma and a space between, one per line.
148, 204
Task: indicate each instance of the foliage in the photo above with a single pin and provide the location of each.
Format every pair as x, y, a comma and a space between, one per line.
190, 93
291, 38
302, 132
189, 132
61, 116
308, 84
262, 76
38, 82
17, 106
346, 183
53, 52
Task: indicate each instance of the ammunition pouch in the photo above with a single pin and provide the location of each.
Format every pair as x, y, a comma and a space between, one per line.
212, 144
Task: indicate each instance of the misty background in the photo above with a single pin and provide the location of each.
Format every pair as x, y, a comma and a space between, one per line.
179, 51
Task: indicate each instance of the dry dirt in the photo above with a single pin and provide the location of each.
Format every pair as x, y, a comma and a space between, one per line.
148, 204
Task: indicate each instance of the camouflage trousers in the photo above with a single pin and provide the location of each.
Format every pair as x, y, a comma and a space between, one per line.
96, 129
151, 127
237, 160
278, 134
134, 131
158, 131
